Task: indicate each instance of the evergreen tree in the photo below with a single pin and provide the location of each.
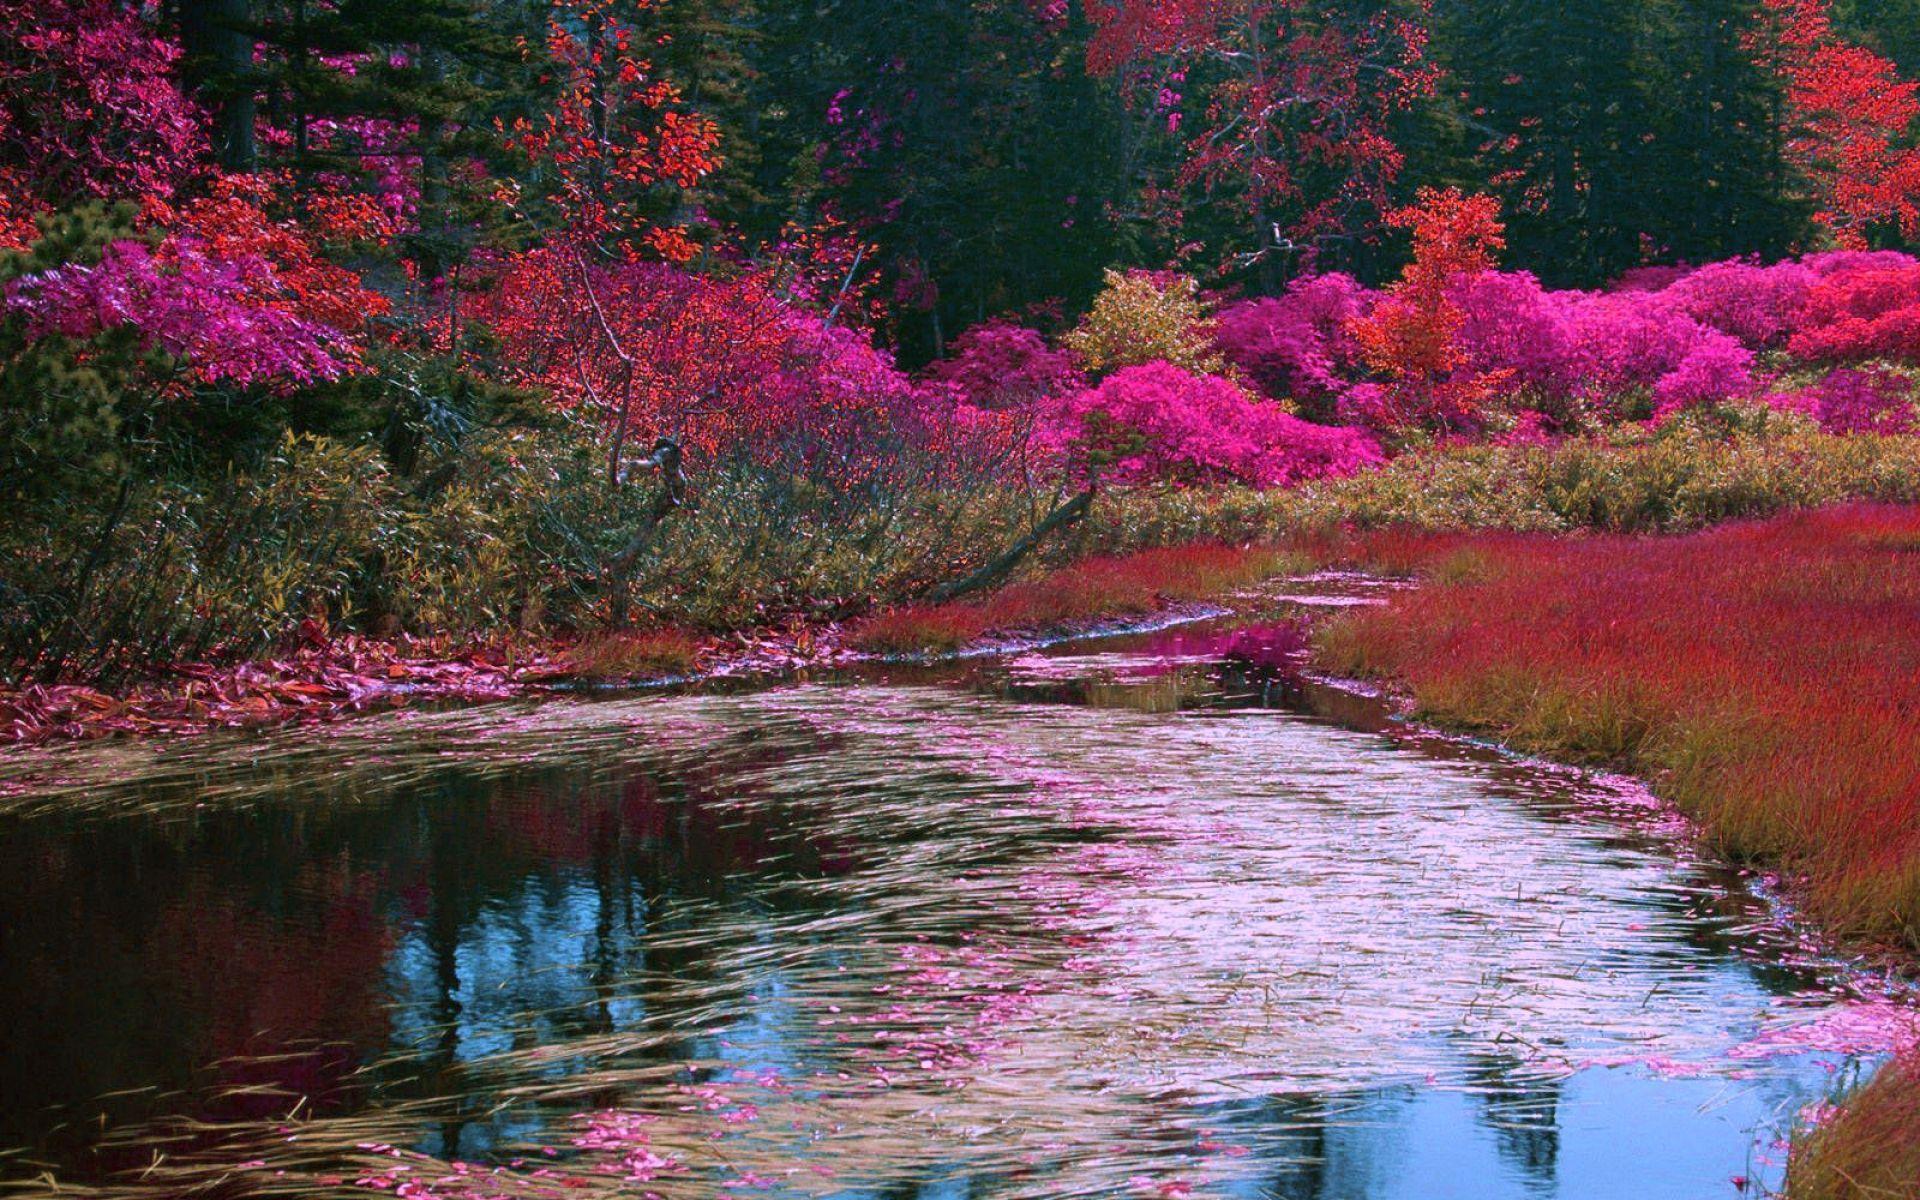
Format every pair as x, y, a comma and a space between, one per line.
217, 37
964, 139
1623, 133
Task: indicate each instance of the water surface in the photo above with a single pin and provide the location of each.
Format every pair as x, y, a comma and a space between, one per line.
1107, 921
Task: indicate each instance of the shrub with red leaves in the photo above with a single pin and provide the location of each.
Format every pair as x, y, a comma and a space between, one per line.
89, 106
1853, 315
726, 364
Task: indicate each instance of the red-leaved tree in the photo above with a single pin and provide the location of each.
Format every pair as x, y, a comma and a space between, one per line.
1284, 105
89, 108
620, 132
1410, 337
1851, 122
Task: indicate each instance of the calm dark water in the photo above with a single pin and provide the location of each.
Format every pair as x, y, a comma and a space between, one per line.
1098, 922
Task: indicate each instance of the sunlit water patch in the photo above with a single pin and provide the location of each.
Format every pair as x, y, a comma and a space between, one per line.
940, 937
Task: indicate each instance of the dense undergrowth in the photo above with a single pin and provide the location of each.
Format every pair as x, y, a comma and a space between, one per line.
516, 536
1763, 676
1635, 482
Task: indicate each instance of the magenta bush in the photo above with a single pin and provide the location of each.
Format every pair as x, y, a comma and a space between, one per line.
1159, 423
1840, 262
1855, 400
1716, 369
215, 315
1000, 365
1596, 349
1758, 305
1296, 347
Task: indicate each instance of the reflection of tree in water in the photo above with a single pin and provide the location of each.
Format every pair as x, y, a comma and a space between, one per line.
242, 962
172, 959
555, 907
1301, 1125
1522, 1111
764, 948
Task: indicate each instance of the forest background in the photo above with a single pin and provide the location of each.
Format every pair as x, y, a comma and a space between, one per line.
485, 318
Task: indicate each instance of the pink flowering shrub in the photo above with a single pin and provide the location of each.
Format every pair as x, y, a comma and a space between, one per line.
1000, 365
1758, 305
1509, 323
1158, 422
1562, 351
1859, 314
189, 304
1622, 344
1716, 369
1506, 358
1855, 400
1297, 346
1840, 262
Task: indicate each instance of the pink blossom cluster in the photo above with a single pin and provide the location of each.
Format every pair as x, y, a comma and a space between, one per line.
1000, 365
1858, 400
1793, 303
1598, 351
1296, 346
182, 300
1661, 340
1158, 422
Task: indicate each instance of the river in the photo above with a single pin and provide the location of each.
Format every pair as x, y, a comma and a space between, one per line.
1108, 919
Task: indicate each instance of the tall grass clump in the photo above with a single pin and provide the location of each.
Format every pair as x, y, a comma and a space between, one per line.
1634, 481
1869, 1149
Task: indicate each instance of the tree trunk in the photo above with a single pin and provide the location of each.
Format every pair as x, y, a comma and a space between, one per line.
218, 40
435, 254
997, 569
617, 576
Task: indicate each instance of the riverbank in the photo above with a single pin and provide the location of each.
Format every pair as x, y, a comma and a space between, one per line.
1706, 617
327, 678
1763, 677
792, 601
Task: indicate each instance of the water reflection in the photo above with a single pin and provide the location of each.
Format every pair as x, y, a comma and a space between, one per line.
946, 938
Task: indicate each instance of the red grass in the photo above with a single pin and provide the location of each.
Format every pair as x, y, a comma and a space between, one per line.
1766, 677
1094, 589
622, 656
1870, 1150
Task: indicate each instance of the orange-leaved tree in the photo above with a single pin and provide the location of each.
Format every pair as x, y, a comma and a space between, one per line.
1409, 339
